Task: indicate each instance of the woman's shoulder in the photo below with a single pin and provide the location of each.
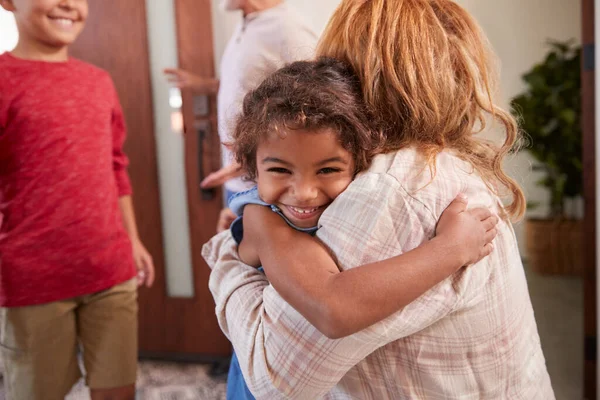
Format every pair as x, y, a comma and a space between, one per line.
433, 185
413, 171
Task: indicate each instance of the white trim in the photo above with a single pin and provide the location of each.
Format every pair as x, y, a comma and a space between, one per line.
162, 43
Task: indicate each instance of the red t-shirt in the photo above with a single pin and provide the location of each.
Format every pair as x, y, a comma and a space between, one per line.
62, 171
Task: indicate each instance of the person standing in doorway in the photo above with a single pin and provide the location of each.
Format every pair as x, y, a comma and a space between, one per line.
270, 35
69, 245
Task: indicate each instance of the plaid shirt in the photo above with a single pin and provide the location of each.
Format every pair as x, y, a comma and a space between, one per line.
473, 336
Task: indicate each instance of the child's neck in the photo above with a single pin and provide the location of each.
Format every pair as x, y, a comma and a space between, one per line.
36, 51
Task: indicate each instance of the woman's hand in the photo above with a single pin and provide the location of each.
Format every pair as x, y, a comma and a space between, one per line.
472, 231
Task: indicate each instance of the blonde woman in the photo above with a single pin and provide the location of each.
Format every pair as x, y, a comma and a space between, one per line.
428, 76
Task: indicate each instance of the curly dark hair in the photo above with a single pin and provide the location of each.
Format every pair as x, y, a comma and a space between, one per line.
307, 95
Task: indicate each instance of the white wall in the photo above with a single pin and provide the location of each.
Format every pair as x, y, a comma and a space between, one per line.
8, 31
223, 25
517, 29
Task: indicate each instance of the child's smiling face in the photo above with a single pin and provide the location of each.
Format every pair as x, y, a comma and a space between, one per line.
303, 172
54, 23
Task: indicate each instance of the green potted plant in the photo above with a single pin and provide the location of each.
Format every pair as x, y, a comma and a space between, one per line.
550, 115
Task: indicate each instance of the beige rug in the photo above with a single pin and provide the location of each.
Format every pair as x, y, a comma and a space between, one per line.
165, 381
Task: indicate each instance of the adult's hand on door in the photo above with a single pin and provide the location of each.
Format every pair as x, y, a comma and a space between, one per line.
187, 80
218, 178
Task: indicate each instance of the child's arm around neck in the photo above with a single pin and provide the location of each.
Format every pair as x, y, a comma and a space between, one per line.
338, 303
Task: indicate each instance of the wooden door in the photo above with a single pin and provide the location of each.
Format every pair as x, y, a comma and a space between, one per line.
116, 40
589, 179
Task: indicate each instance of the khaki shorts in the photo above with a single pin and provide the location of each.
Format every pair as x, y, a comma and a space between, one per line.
40, 344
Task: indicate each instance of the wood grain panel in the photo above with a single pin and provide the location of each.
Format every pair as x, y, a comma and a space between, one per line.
195, 47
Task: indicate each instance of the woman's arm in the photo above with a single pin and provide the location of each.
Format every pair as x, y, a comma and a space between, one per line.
340, 304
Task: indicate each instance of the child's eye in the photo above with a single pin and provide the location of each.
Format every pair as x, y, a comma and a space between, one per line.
329, 170
279, 170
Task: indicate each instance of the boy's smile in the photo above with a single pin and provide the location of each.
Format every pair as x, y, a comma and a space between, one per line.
303, 172
304, 217
64, 23
46, 26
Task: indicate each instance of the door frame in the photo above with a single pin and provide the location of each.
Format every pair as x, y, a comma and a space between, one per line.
189, 321
116, 39
590, 196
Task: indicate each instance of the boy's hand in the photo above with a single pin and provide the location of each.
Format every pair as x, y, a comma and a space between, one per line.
470, 231
144, 264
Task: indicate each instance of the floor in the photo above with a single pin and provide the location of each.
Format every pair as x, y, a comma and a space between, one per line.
170, 381
558, 305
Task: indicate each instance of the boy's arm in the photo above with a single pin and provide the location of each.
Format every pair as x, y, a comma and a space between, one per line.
143, 259
340, 304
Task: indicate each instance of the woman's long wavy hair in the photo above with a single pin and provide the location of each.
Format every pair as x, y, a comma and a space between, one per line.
427, 70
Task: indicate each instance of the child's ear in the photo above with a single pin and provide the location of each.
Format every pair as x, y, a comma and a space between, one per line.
8, 5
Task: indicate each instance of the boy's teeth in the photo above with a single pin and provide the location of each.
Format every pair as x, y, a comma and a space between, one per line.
64, 21
304, 210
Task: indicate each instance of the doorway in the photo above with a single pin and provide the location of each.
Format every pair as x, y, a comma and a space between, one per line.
176, 317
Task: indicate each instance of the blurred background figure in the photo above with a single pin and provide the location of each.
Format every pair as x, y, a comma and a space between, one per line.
270, 35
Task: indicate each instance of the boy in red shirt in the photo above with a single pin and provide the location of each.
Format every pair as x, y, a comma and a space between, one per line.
69, 246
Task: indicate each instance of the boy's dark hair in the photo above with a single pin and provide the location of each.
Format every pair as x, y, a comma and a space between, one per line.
308, 95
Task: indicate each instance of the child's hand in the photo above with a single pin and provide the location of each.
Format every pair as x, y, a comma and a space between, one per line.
471, 230
144, 264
